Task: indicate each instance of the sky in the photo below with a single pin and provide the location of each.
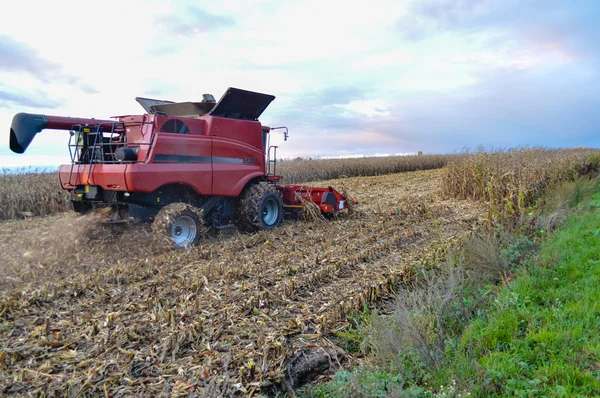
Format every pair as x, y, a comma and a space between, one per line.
350, 78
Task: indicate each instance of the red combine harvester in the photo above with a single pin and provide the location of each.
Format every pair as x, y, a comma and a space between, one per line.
185, 165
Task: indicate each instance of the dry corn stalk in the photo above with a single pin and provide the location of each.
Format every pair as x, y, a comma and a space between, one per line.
310, 210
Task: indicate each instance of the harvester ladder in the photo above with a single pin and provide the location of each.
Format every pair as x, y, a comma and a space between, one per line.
272, 161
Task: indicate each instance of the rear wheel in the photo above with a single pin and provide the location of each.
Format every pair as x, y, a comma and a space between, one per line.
259, 208
182, 224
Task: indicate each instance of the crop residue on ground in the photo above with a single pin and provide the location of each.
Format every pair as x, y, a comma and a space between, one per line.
102, 310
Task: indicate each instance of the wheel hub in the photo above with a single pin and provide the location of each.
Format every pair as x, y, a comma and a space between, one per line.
183, 231
269, 213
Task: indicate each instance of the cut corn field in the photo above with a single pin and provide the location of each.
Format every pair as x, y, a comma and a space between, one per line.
88, 309
130, 319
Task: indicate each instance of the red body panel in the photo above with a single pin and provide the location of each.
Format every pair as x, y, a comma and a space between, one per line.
175, 158
238, 154
108, 176
139, 130
234, 164
246, 131
149, 177
217, 156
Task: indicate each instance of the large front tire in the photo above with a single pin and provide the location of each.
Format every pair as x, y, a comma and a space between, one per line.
259, 208
181, 223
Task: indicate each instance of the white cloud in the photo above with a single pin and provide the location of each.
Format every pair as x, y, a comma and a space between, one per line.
369, 108
400, 56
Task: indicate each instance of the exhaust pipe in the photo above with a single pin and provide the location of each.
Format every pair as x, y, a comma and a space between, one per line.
25, 126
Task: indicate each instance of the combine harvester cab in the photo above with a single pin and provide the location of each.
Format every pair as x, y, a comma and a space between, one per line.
185, 166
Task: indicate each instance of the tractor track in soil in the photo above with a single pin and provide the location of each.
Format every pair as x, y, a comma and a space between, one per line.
86, 308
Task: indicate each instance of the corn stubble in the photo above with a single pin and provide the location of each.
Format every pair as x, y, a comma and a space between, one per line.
96, 310
87, 309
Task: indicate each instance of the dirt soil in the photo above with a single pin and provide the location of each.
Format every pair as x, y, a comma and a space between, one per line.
91, 309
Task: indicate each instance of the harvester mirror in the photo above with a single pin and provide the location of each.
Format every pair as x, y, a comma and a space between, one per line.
285, 131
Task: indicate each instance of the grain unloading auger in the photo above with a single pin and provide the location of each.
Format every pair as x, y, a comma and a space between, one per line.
186, 166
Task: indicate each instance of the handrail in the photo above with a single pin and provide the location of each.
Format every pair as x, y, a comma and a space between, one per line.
89, 155
272, 161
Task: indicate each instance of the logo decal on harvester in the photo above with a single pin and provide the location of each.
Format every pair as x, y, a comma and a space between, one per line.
249, 160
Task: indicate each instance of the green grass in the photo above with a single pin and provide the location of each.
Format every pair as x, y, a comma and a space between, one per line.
539, 336
542, 335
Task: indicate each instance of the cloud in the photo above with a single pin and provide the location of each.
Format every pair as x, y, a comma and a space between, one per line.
323, 108
17, 57
80, 84
329, 96
506, 108
520, 23
389, 77
36, 99
424, 18
193, 20
338, 120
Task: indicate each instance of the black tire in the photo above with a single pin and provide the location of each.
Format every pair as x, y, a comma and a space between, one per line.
180, 223
259, 208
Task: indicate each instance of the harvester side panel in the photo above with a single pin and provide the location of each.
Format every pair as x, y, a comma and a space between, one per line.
186, 126
174, 158
108, 176
139, 131
249, 132
234, 164
146, 178
238, 153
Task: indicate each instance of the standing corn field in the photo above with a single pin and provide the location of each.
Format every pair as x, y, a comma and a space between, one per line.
511, 180
26, 193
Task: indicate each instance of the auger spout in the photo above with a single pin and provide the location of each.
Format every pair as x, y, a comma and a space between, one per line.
25, 126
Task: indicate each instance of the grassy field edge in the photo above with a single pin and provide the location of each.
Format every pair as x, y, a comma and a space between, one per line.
541, 335
536, 334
